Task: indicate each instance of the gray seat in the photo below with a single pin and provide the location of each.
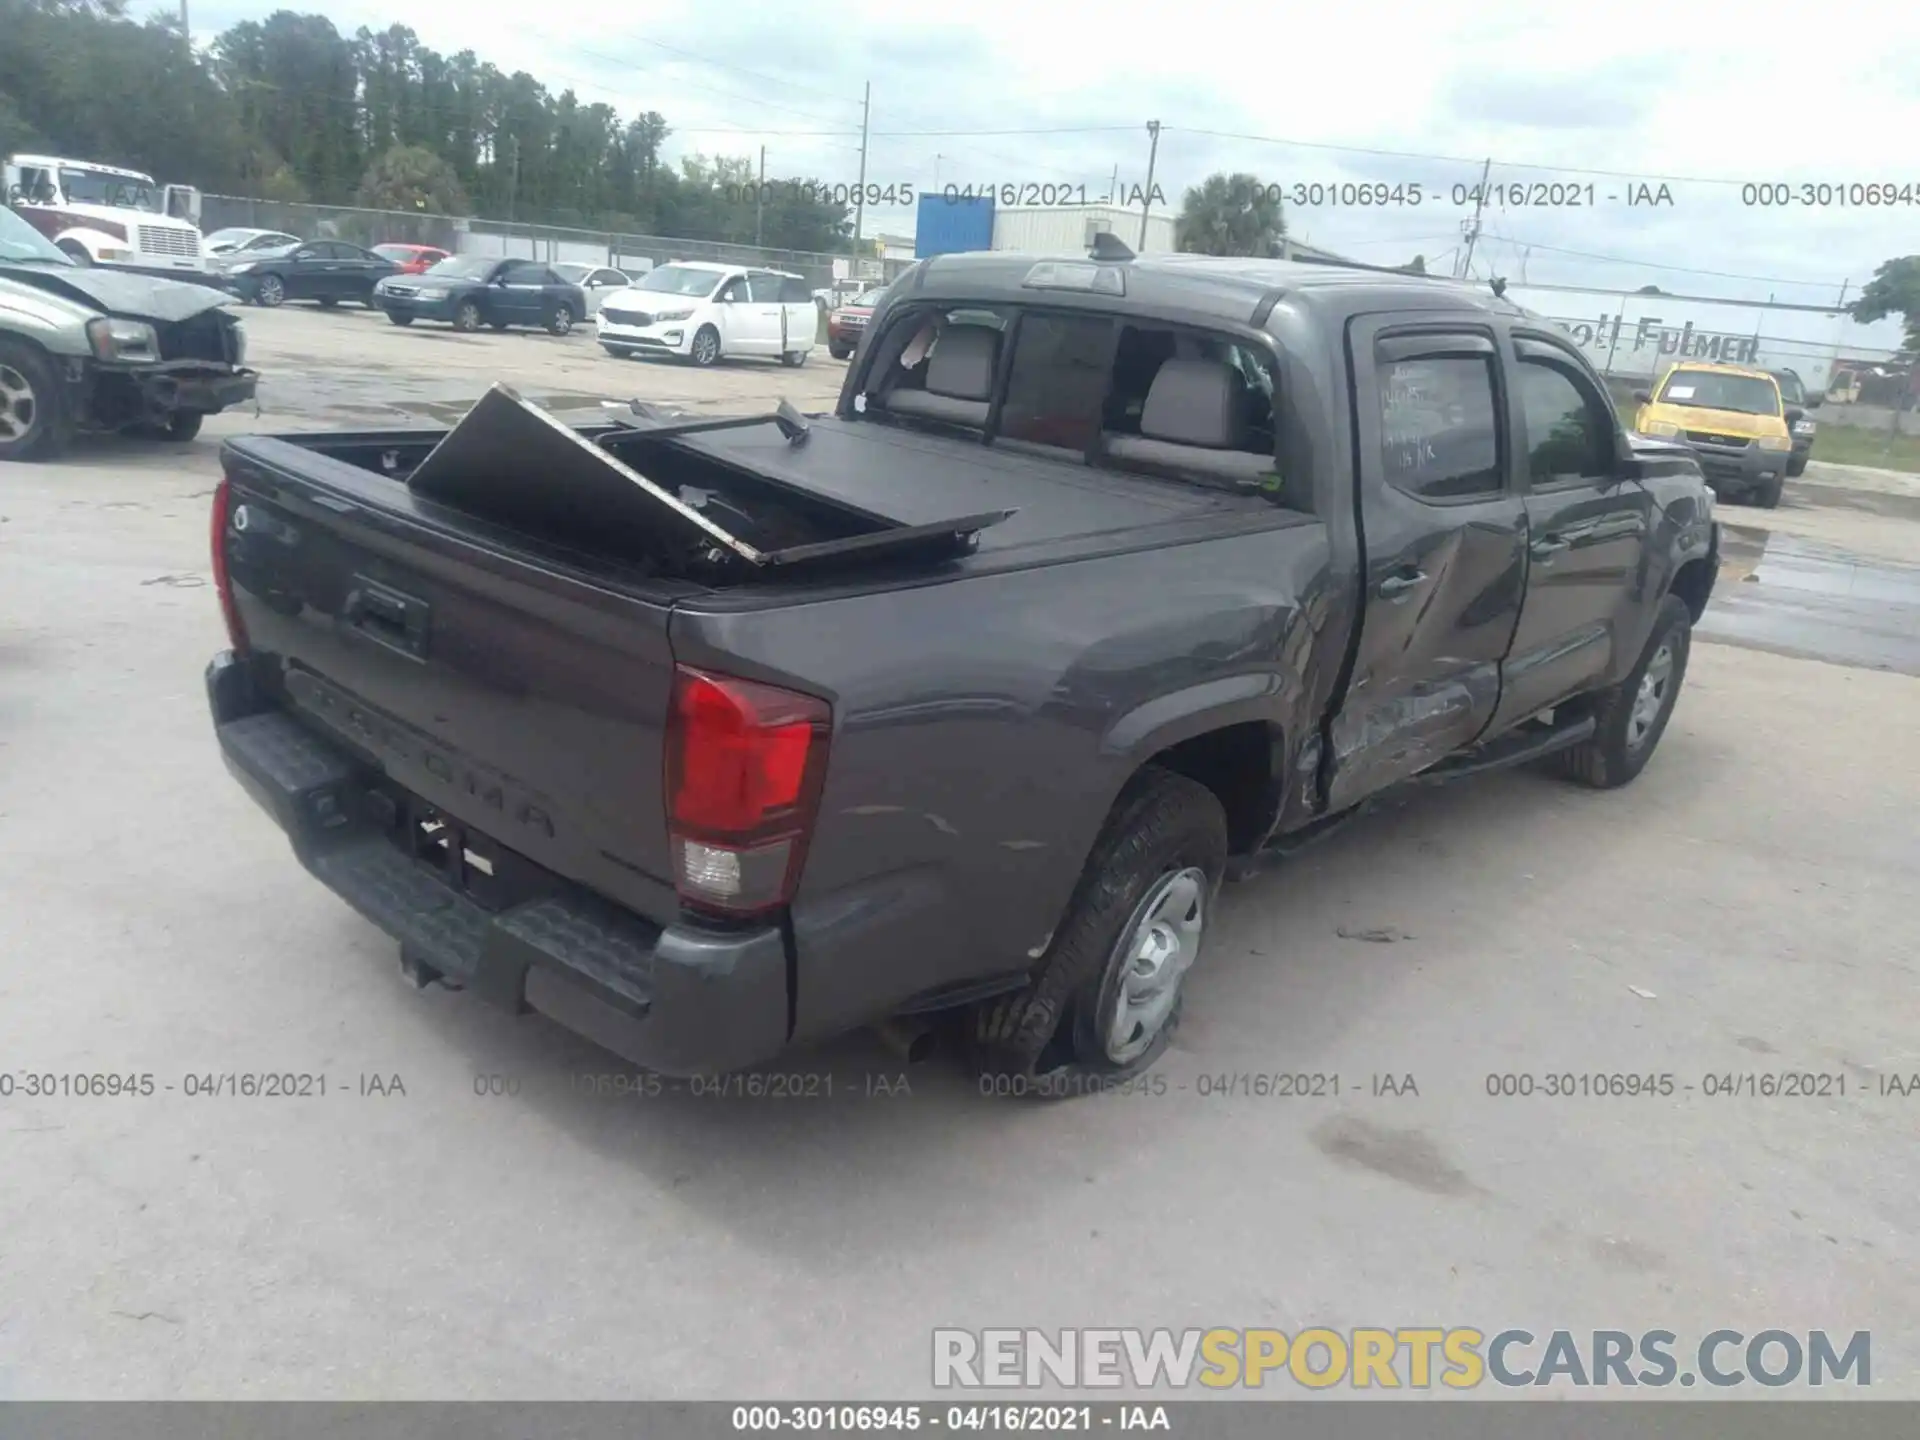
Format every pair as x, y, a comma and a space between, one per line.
959, 378
1195, 419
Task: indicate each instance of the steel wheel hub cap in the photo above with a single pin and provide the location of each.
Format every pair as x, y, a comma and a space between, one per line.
1651, 697
16, 404
1156, 950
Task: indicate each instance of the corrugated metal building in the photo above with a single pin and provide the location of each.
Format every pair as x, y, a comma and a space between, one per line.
1069, 229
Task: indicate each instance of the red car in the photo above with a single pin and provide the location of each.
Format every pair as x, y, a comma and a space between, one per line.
412, 259
846, 325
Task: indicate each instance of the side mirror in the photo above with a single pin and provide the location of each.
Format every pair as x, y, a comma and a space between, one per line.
1645, 397
1814, 402
1795, 415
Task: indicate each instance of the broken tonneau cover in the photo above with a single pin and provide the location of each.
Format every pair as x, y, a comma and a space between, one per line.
509, 461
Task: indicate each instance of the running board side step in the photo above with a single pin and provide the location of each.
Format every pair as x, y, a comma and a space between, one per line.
1519, 748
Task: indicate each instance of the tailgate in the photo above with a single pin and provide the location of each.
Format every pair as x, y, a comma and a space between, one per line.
509, 689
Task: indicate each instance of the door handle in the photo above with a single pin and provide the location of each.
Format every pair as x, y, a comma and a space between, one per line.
1551, 546
1396, 586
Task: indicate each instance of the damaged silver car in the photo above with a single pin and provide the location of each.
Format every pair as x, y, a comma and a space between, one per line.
87, 349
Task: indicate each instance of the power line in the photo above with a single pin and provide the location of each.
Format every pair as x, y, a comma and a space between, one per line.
1662, 265
1466, 160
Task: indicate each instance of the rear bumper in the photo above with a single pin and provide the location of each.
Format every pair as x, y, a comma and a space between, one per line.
680, 1000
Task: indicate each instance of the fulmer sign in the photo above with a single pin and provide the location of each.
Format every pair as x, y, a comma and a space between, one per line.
1647, 337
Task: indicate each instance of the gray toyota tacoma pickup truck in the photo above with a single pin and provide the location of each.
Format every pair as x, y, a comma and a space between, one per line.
1106, 578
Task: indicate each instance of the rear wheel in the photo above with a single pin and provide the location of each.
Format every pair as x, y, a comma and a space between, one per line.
619, 352
560, 319
328, 302
467, 316
839, 352
706, 346
1106, 999
398, 319
1767, 493
794, 359
1797, 466
496, 324
33, 419
271, 291
1632, 716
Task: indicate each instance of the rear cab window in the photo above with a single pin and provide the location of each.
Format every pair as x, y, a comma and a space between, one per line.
1084, 386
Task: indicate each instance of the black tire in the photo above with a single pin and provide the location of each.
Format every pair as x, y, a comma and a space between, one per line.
34, 424
839, 352
496, 324
619, 352
1051, 1040
1797, 466
705, 350
270, 292
560, 319
76, 252
398, 319
793, 359
466, 316
1613, 755
1767, 493
329, 302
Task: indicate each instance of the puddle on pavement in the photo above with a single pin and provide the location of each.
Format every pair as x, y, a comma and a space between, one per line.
1807, 598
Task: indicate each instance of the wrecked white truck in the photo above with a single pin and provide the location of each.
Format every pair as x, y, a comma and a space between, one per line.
84, 348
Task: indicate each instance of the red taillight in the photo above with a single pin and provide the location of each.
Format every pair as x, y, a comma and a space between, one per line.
745, 763
222, 582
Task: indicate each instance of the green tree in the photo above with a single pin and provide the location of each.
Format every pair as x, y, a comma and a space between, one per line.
413, 179
1234, 214
1893, 290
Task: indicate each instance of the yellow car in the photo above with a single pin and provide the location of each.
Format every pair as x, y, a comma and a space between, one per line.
1733, 418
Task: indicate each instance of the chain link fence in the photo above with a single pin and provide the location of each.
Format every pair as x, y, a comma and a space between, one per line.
468, 236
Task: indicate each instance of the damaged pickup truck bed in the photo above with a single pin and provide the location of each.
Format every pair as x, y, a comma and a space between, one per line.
1104, 579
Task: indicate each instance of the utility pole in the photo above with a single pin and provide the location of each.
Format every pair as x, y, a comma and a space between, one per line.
860, 198
760, 197
1146, 203
1473, 227
937, 158
186, 32
1113, 186
1839, 335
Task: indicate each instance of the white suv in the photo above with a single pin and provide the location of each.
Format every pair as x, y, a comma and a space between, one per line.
705, 311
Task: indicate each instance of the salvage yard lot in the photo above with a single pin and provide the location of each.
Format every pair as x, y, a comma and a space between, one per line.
519, 1218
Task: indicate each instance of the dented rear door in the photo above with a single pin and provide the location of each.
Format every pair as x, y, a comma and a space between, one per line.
1444, 531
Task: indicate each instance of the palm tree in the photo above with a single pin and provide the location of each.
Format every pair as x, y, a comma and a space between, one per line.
1231, 215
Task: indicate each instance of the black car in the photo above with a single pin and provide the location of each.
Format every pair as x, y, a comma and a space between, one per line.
468, 291
1795, 396
325, 270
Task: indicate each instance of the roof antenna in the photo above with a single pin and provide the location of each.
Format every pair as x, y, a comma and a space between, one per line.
1109, 246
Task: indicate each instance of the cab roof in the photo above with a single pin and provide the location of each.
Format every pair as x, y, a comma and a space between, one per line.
1207, 286
54, 162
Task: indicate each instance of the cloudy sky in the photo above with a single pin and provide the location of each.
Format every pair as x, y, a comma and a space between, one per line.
1703, 97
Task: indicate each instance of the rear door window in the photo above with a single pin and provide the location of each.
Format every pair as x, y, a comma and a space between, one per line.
794, 291
763, 289
1439, 427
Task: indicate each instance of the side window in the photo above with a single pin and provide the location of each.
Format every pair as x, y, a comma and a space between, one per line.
1218, 385
608, 279
1058, 380
733, 292
1567, 432
763, 289
794, 291
1439, 428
